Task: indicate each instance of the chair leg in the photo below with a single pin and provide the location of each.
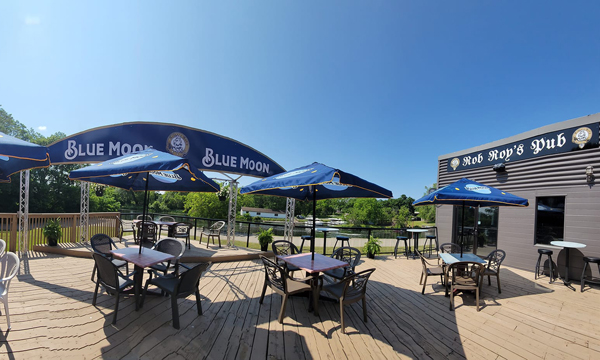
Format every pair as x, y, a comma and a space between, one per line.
451, 299
498, 279
6, 311
219, 237
175, 311
200, 241
421, 281
93, 272
342, 317
95, 294
551, 270
364, 302
116, 308
424, 284
477, 298
395, 249
489, 281
198, 303
282, 311
262, 296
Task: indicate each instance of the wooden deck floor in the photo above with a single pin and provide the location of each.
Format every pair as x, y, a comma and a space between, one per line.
52, 317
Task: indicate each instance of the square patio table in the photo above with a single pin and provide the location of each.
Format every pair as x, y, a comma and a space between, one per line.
451, 258
313, 268
147, 258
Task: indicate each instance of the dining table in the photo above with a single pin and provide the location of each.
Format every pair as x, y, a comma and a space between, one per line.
325, 231
169, 224
451, 258
146, 258
312, 268
567, 245
415, 237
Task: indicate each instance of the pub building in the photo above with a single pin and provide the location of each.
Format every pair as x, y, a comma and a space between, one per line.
555, 168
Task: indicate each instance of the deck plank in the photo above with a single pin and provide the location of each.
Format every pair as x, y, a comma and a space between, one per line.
52, 317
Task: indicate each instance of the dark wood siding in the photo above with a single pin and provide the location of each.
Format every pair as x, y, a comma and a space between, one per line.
553, 175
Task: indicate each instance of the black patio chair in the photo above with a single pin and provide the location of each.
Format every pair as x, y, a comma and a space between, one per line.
347, 254
165, 227
178, 287
102, 244
350, 290
169, 246
148, 235
284, 247
494, 260
112, 279
182, 230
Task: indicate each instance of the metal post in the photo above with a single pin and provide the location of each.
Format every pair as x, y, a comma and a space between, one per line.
288, 232
23, 211
84, 213
233, 192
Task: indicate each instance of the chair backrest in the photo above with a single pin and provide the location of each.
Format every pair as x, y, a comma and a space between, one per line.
348, 254
2, 247
107, 271
148, 217
102, 244
356, 285
182, 228
466, 270
424, 261
284, 247
217, 226
188, 281
122, 223
170, 246
450, 248
150, 229
495, 259
274, 274
166, 218
9, 266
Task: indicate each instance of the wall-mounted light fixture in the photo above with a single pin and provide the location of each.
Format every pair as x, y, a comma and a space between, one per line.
589, 174
499, 167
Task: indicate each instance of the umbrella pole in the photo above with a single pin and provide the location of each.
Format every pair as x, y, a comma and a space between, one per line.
144, 212
314, 239
462, 231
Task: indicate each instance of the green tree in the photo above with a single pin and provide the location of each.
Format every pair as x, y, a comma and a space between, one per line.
367, 212
206, 205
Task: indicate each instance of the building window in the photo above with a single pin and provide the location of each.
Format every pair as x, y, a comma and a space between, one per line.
276, 214
550, 219
257, 214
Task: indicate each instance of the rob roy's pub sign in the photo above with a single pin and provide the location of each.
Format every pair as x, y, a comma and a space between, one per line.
565, 140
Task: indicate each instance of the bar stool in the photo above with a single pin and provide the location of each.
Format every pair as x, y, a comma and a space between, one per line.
406, 248
431, 239
590, 279
537, 265
304, 238
342, 239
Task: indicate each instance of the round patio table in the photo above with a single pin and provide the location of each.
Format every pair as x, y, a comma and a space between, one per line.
567, 245
416, 233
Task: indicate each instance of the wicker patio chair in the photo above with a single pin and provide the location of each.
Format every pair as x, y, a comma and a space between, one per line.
182, 231
148, 217
214, 231
179, 287
350, 290
9, 265
125, 229
112, 279
102, 244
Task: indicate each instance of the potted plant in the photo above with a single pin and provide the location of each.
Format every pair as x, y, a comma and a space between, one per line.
265, 237
53, 231
223, 193
372, 247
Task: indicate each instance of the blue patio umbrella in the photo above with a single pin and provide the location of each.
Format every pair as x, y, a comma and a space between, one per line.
468, 192
145, 170
17, 155
316, 182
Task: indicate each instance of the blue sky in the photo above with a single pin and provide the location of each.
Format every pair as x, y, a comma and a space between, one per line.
377, 88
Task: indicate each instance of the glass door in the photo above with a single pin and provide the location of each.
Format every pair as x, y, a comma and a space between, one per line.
480, 235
